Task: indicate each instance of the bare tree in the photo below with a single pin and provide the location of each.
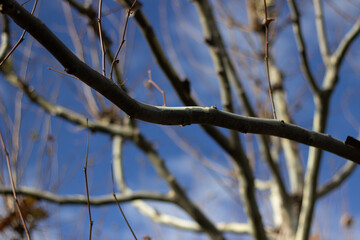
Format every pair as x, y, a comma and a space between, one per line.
254, 81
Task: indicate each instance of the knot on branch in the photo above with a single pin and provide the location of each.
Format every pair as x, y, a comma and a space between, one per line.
267, 21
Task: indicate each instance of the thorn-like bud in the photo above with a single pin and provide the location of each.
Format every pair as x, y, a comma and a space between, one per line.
267, 21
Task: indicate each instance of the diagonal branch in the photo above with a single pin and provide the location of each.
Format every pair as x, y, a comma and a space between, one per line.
62, 112
301, 46
181, 198
338, 179
90, 14
226, 71
233, 227
169, 115
181, 86
345, 43
221, 62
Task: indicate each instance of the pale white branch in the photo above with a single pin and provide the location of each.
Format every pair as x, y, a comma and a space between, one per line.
79, 199
320, 29
345, 43
336, 181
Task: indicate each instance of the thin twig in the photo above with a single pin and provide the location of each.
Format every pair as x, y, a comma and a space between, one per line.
66, 74
266, 23
122, 213
86, 183
150, 81
101, 39
13, 187
21, 39
116, 200
122, 40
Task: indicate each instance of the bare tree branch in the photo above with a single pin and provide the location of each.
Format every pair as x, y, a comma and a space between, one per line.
67, 114
78, 199
301, 46
170, 115
5, 37
322, 102
320, 30
226, 69
13, 190
283, 188
240, 228
179, 195
337, 180
90, 14
339, 54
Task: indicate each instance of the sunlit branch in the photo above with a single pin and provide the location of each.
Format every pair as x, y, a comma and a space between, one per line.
240, 228
347, 40
322, 103
181, 198
65, 113
224, 63
312, 171
320, 29
290, 148
220, 60
72, 30
171, 115
78, 199
5, 36
337, 180
266, 23
301, 46
101, 38
179, 195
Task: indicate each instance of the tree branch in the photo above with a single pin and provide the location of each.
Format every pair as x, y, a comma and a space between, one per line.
320, 29
239, 228
345, 43
225, 68
62, 112
80, 199
169, 115
322, 102
301, 46
5, 37
337, 180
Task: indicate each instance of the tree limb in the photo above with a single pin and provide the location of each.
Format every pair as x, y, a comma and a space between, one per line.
301, 46
337, 180
345, 43
79, 199
320, 30
169, 115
